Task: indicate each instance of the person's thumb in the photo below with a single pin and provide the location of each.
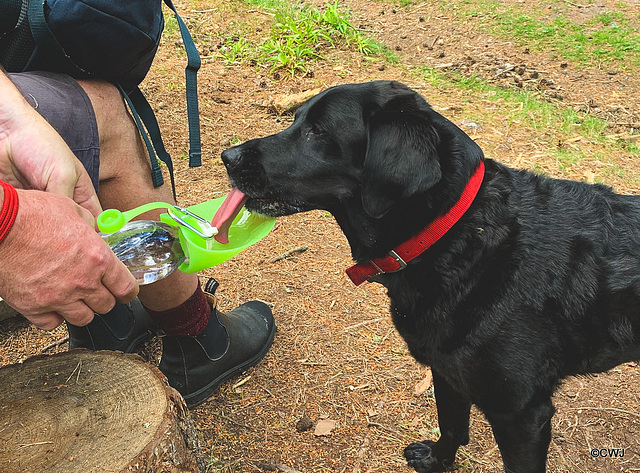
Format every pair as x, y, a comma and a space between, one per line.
78, 186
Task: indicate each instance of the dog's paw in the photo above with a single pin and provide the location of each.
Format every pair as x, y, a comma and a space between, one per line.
422, 457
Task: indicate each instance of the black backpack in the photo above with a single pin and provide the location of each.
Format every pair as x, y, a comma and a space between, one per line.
107, 39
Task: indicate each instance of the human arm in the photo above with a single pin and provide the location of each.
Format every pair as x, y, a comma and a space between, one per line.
34, 156
53, 265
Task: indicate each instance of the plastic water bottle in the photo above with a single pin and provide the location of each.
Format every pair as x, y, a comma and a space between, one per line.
150, 250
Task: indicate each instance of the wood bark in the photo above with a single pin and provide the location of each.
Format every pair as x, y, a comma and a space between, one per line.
290, 103
85, 411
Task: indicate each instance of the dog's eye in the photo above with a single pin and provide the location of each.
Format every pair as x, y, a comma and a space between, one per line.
313, 131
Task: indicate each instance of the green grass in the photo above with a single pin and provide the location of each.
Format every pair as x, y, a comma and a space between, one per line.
170, 23
276, 5
566, 157
299, 36
526, 109
607, 38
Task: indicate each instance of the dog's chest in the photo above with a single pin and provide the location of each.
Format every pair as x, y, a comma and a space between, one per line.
435, 324
418, 325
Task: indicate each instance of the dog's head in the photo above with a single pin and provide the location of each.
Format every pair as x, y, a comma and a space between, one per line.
372, 145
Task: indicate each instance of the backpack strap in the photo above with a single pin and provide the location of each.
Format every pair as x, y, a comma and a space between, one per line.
16, 40
191, 85
146, 119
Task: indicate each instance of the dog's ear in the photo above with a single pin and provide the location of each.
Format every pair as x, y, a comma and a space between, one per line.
401, 158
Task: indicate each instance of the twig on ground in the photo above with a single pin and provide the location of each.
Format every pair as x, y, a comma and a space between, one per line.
504, 71
55, 344
360, 324
399, 435
241, 382
574, 4
277, 468
311, 363
610, 409
262, 12
288, 253
433, 43
35, 444
78, 368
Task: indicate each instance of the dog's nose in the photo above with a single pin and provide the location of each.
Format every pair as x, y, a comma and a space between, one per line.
231, 157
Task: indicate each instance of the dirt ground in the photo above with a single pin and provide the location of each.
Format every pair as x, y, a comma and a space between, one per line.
336, 355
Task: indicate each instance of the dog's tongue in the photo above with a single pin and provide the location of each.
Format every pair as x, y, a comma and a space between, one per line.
227, 212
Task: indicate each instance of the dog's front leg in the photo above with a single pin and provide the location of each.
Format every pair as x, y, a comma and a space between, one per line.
524, 439
453, 417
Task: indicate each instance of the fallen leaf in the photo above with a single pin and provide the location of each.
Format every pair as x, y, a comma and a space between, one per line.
423, 385
324, 427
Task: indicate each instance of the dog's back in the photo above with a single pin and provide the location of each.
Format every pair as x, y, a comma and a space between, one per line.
557, 261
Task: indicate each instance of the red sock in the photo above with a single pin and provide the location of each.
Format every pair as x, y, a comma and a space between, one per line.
188, 319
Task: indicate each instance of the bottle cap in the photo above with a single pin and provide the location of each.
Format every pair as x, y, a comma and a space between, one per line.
112, 220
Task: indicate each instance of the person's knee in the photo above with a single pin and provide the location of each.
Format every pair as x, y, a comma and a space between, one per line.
112, 116
120, 144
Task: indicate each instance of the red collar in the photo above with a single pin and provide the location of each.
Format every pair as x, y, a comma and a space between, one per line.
398, 258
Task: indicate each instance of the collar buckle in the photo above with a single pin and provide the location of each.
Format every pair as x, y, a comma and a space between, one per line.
399, 260
396, 257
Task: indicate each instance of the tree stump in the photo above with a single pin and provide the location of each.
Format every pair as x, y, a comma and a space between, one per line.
85, 411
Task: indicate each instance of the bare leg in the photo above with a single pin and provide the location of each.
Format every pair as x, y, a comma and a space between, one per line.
125, 183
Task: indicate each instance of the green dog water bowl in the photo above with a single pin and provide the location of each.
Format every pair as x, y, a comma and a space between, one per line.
201, 249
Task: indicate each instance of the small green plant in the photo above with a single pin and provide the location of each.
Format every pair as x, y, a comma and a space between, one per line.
298, 36
292, 43
170, 23
632, 147
566, 158
235, 49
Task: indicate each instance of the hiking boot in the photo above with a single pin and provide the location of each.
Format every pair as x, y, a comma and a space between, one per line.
124, 328
196, 366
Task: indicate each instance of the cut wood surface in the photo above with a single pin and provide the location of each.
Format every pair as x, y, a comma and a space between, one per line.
84, 411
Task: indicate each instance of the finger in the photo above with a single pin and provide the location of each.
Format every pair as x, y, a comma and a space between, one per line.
85, 195
87, 216
77, 313
47, 321
76, 184
100, 301
119, 281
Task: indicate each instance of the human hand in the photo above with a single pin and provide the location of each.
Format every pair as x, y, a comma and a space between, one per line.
54, 266
34, 156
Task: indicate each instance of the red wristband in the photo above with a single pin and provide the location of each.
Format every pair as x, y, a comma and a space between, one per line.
9, 209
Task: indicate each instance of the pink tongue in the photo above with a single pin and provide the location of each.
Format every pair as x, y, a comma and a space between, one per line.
226, 213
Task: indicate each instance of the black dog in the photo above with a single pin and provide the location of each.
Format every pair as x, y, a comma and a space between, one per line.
521, 281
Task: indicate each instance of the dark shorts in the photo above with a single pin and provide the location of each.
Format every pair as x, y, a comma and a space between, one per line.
66, 106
